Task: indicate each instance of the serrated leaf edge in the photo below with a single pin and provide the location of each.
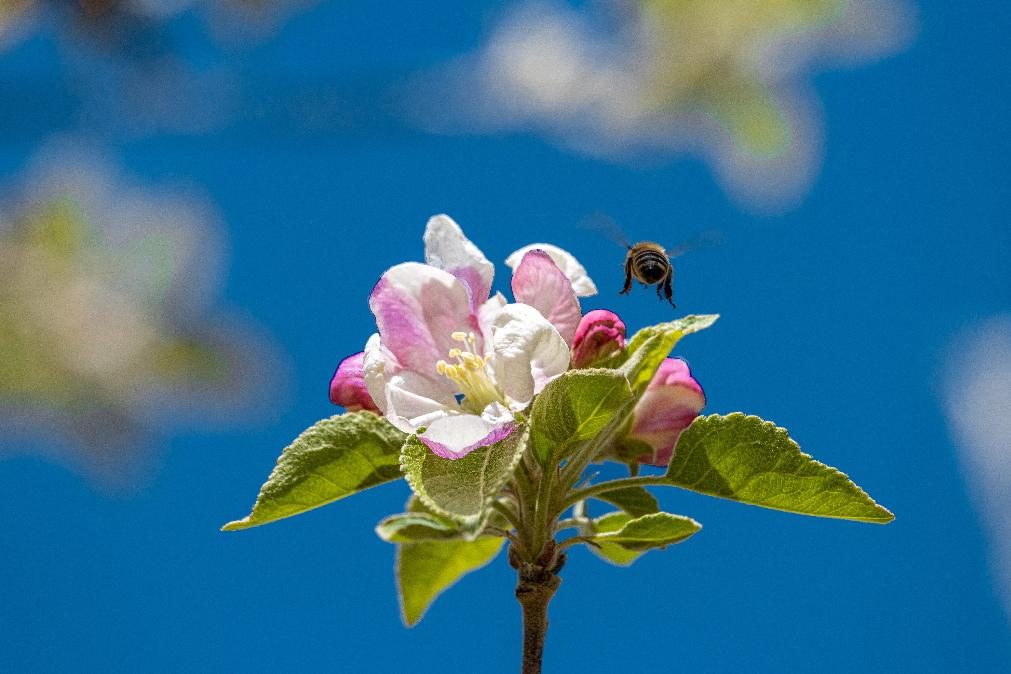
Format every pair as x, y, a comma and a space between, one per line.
471, 525
779, 430
247, 523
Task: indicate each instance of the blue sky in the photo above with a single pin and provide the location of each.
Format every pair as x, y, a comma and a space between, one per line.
837, 317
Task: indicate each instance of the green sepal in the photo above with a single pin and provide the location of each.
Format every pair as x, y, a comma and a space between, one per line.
332, 459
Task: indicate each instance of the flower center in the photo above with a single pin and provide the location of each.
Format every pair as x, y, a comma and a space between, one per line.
471, 373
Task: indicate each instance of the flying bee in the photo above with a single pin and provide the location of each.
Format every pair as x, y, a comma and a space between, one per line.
648, 262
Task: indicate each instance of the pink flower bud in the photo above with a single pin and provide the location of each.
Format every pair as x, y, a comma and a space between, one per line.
671, 402
600, 335
347, 388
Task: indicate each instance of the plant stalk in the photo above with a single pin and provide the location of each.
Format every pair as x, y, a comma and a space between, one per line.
535, 587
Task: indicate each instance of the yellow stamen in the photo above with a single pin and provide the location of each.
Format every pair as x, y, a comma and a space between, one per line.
471, 374
471, 361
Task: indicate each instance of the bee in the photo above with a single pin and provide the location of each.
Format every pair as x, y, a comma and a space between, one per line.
648, 262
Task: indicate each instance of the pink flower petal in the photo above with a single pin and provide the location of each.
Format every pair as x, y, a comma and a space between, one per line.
417, 308
539, 282
448, 249
454, 437
581, 282
671, 402
347, 388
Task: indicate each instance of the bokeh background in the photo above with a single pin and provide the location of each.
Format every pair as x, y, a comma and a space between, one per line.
197, 196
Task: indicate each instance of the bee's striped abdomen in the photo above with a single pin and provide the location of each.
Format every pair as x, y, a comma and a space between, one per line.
649, 263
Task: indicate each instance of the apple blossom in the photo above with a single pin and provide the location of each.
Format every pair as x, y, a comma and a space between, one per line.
452, 362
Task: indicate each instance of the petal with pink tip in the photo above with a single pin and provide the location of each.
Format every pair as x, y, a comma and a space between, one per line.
454, 437
528, 352
539, 282
348, 389
671, 402
581, 282
447, 248
417, 308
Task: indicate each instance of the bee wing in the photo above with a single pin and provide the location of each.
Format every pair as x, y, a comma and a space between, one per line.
606, 226
709, 238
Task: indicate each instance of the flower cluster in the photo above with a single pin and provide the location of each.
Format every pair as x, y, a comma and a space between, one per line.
493, 412
455, 363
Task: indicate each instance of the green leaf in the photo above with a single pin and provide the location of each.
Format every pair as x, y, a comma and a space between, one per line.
621, 538
635, 501
574, 408
650, 346
657, 530
414, 527
462, 488
334, 458
425, 570
608, 551
746, 459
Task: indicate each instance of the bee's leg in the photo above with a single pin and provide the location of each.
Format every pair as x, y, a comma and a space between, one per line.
658, 290
628, 276
668, 291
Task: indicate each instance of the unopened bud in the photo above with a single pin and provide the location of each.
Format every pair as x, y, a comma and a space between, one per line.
599, 336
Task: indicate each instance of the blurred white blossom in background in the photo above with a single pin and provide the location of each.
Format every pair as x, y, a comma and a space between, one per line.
226, 19
125, 61
109, 330
725, 81
977, 399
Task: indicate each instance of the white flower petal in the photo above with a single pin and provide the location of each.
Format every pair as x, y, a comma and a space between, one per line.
378, 364
447, 248
496, 414
487, 312
529, 352
414, 401
581, 282
456, 436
